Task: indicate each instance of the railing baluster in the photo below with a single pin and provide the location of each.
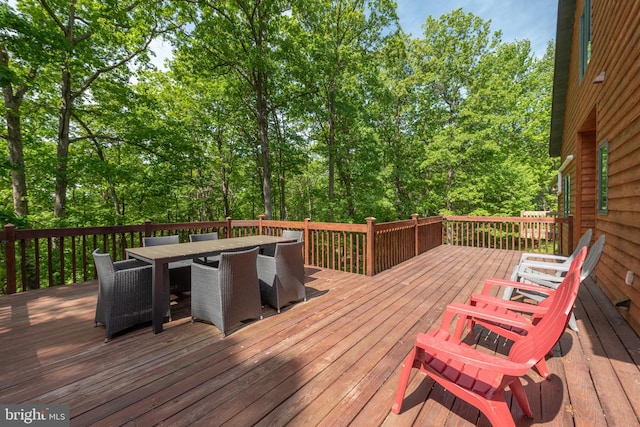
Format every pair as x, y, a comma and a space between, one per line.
73, 259
49, 261
23, 264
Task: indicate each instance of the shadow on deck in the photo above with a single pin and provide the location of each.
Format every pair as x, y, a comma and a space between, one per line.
334, 360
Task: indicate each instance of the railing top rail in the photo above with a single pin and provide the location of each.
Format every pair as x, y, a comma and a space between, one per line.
43, 233
244, 223
395, 225
334, 226
185, 225
39, 233
282, 224
506, 219
430, 220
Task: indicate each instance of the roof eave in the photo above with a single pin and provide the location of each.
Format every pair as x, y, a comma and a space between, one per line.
564, 35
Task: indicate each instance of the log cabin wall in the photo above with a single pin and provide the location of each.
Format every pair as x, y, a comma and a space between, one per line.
604, 107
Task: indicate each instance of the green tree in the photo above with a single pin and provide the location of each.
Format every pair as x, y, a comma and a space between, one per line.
100, 38
340, 39
240, 37
484, 106
447, 60
24, 50
402, 173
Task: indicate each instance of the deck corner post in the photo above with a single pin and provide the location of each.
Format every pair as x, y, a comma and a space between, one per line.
147, 228
260, 225
416, 237
10, 257
228, 227
371, 246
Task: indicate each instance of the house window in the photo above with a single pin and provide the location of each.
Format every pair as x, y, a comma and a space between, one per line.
603, 177
566, 191
585, 37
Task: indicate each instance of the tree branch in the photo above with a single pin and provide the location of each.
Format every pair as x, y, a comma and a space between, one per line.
104, 70
53, 16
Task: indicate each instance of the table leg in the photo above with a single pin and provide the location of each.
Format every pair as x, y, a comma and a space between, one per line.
160, 272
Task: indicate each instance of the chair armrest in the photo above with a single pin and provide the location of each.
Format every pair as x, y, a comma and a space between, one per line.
551, 282
508, 304
469, 356
129, 279
474, 313
533, 256
545, 266
129, 263
204, 267
493, 281
489, 283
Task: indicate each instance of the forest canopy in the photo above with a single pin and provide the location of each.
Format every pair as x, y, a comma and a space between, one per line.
296, 109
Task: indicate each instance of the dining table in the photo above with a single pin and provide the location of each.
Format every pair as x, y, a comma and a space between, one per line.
160, 256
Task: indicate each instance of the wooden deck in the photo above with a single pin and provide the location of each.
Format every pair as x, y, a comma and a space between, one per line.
334, 360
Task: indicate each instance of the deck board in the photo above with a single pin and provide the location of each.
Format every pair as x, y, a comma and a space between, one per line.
333, 360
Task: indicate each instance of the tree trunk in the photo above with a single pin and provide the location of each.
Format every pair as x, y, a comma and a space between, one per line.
224, 178
449, 186
263, 124
12, 102
282, 187
331, 144
279, 127
60, 203
345, 180
64, 120
112, 187
16, 155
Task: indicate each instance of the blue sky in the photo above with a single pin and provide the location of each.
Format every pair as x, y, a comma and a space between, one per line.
517, 19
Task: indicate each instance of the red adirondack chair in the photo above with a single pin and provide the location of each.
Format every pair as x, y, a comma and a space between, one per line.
505, 318
513, 324
480, 378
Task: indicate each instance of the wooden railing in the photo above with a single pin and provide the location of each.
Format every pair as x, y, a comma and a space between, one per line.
362, 248
399, 241
47, 257
56, 256
549, 235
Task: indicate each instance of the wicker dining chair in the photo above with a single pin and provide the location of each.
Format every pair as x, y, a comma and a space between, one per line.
228, 294
292, 234
202, 237
179, 271
282, 275
124, 294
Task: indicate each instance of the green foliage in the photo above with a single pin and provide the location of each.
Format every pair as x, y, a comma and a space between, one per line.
325, 110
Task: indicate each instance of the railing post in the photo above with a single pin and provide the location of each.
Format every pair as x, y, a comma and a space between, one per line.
260, 219
10, 257
307, 242
371, 246
228, 227
147, 228
414, 217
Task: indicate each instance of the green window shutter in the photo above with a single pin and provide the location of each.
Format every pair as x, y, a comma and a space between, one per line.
585, 37
566, 191
603, 177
